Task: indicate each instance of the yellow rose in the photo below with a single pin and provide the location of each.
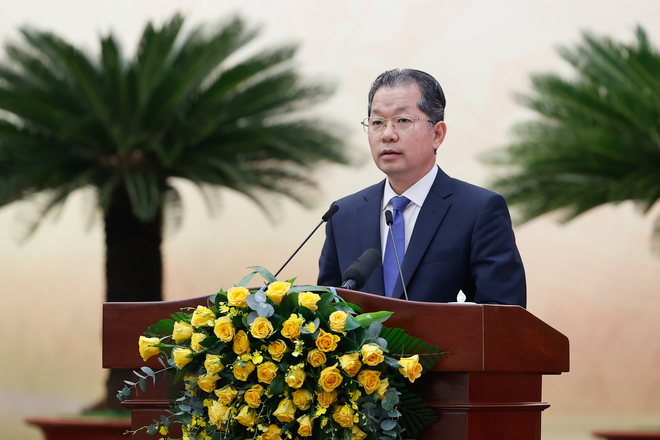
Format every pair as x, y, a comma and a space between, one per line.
213, 364
350, 363
277, 290
218, 413
372, 355
202, 317
276, 349
226, 395
384, 385
274, 433
236, 297
261, 328
344, 416
316, 358
305, 428
190, 383
253, 396
195, 341
285, 411
246, 416
330, 378
146, 349
412, 369
357, 433
337, 321
224, 329
208, 382
242, 373
266, 372
291, 328
182, 357
309, 300
370, 380
241, 343
327, 341
182, 331
295, 377
302, 398
325, 399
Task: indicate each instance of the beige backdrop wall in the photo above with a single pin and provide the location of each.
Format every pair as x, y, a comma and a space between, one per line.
594, 280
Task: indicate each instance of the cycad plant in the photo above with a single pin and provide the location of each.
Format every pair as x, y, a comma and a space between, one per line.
596, 139
186, 105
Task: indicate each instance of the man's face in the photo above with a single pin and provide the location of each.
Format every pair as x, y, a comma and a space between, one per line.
405, 157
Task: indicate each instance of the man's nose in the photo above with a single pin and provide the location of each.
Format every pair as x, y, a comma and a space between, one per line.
389, 133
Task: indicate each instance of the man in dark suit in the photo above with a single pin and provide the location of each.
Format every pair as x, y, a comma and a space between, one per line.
451, 236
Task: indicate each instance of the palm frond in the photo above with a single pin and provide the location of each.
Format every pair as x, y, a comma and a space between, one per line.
596, 139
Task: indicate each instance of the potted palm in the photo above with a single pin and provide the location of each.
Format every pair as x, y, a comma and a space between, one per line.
595, 141
186, 105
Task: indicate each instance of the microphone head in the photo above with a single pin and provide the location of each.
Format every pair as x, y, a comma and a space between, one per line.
362, 268
330, 212
388, 218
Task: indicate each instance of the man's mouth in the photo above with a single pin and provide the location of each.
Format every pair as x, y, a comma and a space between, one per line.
389, 153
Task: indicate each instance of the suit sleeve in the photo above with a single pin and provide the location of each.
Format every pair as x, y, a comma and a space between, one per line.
329, 271
496, 266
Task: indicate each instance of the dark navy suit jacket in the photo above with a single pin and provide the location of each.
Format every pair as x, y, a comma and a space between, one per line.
462, 240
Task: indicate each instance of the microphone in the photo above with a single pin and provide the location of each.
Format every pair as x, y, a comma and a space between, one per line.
329, 213
389, 220
358, 273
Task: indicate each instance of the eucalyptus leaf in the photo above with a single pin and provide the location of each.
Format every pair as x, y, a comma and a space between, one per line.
252, 302
266, 311
374, 330
251, 317
260, 295
246, 279
265, 273
388, 425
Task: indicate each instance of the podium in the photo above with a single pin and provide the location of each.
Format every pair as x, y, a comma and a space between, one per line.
488, 387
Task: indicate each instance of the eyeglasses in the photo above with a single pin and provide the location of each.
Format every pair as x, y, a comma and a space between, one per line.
376, 124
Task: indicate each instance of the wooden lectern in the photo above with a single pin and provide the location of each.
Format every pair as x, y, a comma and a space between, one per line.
487, 388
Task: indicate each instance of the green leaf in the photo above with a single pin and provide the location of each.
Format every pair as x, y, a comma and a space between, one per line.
350, 324
246, 279
366, 319
265, 273
309, 288
277, 385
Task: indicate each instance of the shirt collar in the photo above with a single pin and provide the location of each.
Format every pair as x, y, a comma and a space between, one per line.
416, 193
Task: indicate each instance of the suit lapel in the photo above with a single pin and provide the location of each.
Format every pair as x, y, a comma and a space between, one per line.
368, 221
430, 217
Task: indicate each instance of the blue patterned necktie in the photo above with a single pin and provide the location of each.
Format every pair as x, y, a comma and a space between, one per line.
390, 268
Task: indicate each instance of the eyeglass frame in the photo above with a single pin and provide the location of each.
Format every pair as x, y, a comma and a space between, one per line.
414, 119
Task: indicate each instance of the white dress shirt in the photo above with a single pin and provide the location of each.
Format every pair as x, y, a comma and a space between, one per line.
416, 194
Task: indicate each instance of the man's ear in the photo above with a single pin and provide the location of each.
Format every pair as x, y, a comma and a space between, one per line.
439, 133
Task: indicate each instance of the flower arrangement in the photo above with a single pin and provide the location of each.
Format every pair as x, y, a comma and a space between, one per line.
285, 362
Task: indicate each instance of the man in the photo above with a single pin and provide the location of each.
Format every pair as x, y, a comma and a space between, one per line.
452, 236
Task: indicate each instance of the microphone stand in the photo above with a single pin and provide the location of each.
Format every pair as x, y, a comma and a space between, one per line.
333, 209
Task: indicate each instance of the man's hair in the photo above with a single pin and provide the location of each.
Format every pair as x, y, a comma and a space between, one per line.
432, 102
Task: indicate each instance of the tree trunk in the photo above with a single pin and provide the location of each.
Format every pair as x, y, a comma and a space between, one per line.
134, 270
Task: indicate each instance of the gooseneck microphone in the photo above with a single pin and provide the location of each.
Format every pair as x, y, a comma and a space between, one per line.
389, 220
358, 273
329, 213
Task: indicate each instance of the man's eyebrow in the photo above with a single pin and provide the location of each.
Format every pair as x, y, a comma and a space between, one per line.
401, 108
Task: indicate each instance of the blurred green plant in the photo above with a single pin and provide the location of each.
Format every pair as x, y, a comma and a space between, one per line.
196, 105
596, 139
